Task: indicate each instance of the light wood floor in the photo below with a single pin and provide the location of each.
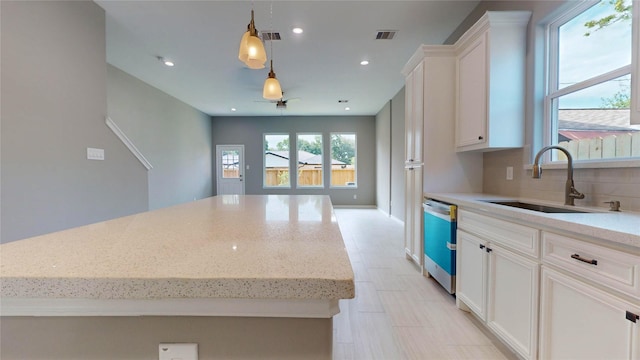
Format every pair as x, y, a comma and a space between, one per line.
397, 312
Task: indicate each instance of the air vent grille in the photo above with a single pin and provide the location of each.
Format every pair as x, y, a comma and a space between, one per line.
385, 34
270, 35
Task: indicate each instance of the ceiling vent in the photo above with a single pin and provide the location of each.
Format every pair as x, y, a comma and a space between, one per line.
385, 34
270, 35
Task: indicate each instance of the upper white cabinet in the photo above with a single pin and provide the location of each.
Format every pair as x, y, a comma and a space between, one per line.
635, 63
491, 82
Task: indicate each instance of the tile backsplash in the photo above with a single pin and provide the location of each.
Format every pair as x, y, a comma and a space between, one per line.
598, 185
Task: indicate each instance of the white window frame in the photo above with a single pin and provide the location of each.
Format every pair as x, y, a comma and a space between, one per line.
355, 168
550, 134
321, 186
264, 162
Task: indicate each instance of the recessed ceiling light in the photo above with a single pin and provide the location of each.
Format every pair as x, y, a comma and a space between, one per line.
233, 109
347, 108
167, 62
297, 30
364, 62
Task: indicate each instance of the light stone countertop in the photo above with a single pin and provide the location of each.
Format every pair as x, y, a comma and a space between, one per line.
618, 228
251, 247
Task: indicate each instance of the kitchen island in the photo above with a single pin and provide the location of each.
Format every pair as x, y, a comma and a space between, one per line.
242, 276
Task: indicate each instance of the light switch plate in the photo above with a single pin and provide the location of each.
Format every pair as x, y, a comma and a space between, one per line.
95, 154
509, 172
178, 351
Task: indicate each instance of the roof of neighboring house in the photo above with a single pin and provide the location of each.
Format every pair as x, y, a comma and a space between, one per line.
612, 119
280, 158
575, 124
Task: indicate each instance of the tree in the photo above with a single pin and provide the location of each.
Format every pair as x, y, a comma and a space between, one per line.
619, 100
283, 145
622, 13
314, 147
342, 149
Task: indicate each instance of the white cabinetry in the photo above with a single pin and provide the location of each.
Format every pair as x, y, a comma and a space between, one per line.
590, 304
429, 134
414, 124
491, 82
497, 277
635, 63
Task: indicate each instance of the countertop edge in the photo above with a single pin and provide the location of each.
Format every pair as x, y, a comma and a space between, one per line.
579, 224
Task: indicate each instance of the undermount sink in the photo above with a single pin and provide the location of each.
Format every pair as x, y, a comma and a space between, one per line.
535, 207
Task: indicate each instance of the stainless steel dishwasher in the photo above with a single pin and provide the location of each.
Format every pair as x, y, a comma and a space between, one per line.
440, 242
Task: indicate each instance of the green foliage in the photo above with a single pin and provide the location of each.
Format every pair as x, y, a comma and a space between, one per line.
283, 145
622, 13
283, 178
620, 100
343, 149
314, 147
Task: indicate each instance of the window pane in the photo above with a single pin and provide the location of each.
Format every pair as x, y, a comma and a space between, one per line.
343, 159
276, 160
309, 160
230, 160
596, 132
585, 52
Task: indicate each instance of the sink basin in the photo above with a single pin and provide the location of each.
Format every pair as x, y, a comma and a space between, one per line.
535, 207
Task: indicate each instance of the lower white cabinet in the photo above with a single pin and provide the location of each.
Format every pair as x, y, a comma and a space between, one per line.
471, 272
501, 288
413, 215
580, 321
512, 306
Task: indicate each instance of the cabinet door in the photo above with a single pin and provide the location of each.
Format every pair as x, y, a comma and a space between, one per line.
471, 124
471, 272
512, 306
579, 321
413, 215
414, 114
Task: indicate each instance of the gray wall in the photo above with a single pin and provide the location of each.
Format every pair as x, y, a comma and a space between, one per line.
54, 102
383, 159
173, 136
397, 155
390, 157
248, 131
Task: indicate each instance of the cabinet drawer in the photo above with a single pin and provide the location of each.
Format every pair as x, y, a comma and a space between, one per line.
612, 268
516, 237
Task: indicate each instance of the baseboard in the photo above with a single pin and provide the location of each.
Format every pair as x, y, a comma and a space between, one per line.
354, 207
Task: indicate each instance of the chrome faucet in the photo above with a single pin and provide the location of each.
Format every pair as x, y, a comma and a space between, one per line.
570, 192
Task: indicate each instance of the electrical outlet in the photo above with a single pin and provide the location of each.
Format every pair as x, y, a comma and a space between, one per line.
509, 172
95, 154
178, 351
355, 196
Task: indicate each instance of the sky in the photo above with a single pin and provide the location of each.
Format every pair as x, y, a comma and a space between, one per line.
584, 56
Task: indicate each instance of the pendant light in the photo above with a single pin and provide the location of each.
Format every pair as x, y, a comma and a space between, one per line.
271, 89
251, 50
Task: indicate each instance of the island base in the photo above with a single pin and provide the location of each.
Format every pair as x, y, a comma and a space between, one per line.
138, 337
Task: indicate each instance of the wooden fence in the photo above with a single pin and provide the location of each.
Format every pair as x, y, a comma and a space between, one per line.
310, 177
613, 146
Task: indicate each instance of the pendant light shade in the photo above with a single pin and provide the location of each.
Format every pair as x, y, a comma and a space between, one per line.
272, 89
251, 50
243, 52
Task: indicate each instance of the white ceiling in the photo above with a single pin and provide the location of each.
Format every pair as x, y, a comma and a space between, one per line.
318, 67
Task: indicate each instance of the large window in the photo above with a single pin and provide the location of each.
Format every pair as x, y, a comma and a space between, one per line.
343, 160
589, 83
276, 160
309, 160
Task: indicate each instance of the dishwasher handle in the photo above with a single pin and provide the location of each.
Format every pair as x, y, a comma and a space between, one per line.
443, 211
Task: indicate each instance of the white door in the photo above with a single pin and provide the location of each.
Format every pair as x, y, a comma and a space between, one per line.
230, 169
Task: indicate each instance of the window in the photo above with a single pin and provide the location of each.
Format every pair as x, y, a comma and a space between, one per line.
276, 160
589, 82
309, 160
343, 160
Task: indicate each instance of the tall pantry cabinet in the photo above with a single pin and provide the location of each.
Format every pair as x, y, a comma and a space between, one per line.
431, 162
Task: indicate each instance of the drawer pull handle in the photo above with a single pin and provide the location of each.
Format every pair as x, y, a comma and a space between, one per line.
578, 257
